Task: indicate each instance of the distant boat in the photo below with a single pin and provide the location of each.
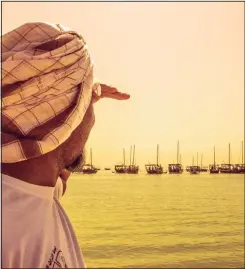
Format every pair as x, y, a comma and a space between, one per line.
89, 168
176, 168
239, 168
227, 168
121, 168
213, 168
242, 165
132, 168
195, 169
154, 168
107, 168
203, 168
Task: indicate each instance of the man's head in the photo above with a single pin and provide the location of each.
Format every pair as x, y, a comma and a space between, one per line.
47, 112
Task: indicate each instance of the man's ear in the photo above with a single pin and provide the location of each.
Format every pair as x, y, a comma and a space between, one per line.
73, 147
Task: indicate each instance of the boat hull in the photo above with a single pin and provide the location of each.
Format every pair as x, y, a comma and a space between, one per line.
133, 169
154, 172
121, 172
214, 172
89, 172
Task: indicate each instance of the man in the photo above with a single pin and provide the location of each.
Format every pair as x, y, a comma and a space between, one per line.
48, 94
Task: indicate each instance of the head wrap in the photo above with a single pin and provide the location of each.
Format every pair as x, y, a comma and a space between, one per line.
47, 81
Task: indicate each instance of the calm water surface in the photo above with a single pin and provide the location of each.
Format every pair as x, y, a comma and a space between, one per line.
188, 221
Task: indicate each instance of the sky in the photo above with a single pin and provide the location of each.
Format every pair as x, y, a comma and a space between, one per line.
182, 63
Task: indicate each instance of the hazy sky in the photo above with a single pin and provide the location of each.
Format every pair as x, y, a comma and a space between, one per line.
182, 63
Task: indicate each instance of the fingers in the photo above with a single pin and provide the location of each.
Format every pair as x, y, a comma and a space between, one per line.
108, 88
107, 91
117, 95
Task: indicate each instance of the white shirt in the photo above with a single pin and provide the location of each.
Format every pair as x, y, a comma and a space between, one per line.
36, 232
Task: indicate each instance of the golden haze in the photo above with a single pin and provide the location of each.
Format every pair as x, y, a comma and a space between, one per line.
182, 63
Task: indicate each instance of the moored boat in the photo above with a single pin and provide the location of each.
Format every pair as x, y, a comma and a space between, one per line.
242, 165
176, 168
132, 168
195, 169
121, 168
213, 168
89, 168
203, 168
187, 168
227, 168
154, 168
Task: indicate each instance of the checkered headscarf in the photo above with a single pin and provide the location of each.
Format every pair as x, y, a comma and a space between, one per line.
47, 81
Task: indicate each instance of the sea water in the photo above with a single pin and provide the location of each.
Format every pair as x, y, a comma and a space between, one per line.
161, 221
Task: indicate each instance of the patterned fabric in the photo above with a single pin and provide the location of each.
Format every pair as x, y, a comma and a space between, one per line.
47, 81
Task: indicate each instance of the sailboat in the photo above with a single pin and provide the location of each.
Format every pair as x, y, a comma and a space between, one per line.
227, 168
154, 168
121, 168
213, 168
89, 168
195, 169
203, 168
239, 168
176, 168
242, 166
132, 168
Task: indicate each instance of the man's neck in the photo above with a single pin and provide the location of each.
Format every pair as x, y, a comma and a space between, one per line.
42, 171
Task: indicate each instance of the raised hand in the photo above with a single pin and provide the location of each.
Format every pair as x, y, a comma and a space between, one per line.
105, 91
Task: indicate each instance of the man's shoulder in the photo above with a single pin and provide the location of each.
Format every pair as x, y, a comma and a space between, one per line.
36, 231
14, 187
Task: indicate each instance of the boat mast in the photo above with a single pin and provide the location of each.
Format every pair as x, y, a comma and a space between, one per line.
242, 152
133, 154
157, 153
130, 155
124, 156
214, 155
197, 158
91, 156
229, 154
178, 152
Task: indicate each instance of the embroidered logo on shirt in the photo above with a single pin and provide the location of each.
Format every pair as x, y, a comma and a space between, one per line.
56, 260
